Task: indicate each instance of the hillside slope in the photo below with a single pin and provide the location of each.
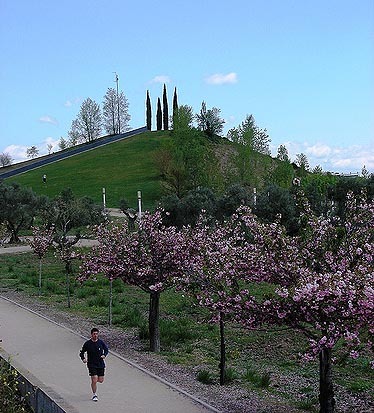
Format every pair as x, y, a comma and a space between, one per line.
127, 166
122, 168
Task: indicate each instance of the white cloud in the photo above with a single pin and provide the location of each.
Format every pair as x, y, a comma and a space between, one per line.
161, 79
50, 141
17, 152
319, 150
220, 79
70, 102
48, 119
230, 120
334, 158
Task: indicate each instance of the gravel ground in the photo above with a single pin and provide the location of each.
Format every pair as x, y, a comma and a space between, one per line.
230, 398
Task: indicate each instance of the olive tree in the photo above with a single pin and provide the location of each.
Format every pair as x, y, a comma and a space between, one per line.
18, 207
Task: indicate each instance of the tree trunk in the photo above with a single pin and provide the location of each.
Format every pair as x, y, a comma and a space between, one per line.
110, 301
40, 277
13, 230
68, 271
222, 364
326, 391
154, 314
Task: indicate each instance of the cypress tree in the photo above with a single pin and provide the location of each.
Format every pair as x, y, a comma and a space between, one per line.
159, 115
166, 109
175, 105
148, 112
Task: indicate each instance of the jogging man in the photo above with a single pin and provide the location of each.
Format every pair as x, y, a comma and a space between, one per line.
96, 351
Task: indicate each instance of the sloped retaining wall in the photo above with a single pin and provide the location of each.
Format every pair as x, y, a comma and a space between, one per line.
41, 401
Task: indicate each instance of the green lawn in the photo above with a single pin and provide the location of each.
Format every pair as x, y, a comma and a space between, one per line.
263, 361
122, 168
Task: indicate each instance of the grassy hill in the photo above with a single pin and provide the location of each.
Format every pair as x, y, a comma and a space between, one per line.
122, 168
125, 167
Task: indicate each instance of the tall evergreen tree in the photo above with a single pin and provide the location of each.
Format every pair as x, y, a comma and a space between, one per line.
166, 109
282, 154
175, 106
148, 112
303, 163
159, 115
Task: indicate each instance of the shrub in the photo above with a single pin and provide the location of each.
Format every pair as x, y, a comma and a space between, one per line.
144, 332
83, 292
52, 287
98, 301
230, 375
175, 331
205, 377
257, 379
11, 400
133, 317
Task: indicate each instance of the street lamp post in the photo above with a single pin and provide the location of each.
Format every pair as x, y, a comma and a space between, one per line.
118, 117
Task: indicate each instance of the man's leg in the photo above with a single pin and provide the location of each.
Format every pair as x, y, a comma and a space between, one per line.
100, 379
94, 380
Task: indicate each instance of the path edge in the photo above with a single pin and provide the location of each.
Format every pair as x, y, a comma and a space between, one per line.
115, 354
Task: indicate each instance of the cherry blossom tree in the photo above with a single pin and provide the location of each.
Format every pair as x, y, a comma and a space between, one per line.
149, 257
222, 256
42, 239
324, 288
103, 258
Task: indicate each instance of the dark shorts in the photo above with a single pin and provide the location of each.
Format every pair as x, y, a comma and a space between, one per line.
94, 371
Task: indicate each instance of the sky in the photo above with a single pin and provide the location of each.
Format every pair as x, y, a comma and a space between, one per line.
303, 69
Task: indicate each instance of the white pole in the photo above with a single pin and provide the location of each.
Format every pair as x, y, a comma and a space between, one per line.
104, 200
118, 117
140, 205
254, 197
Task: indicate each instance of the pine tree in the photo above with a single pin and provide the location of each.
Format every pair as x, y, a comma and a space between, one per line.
159, 115
166, 109
148, 112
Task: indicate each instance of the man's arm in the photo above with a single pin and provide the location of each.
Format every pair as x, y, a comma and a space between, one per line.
81, 353
105, 348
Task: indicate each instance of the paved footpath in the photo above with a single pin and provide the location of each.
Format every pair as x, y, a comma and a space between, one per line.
47, 353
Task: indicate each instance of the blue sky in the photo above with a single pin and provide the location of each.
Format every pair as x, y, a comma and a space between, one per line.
304, 69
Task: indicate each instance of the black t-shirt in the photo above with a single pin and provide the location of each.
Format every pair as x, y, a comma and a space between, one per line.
94, 350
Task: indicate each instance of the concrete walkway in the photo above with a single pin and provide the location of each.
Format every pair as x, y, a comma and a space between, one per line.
47, 353
17, 249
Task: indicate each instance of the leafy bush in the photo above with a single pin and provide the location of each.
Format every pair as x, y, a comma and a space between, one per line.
98, 301
144, 332
133, 317
257, 379
11, 400
205, 377
175, 331
53, 287
230, 375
